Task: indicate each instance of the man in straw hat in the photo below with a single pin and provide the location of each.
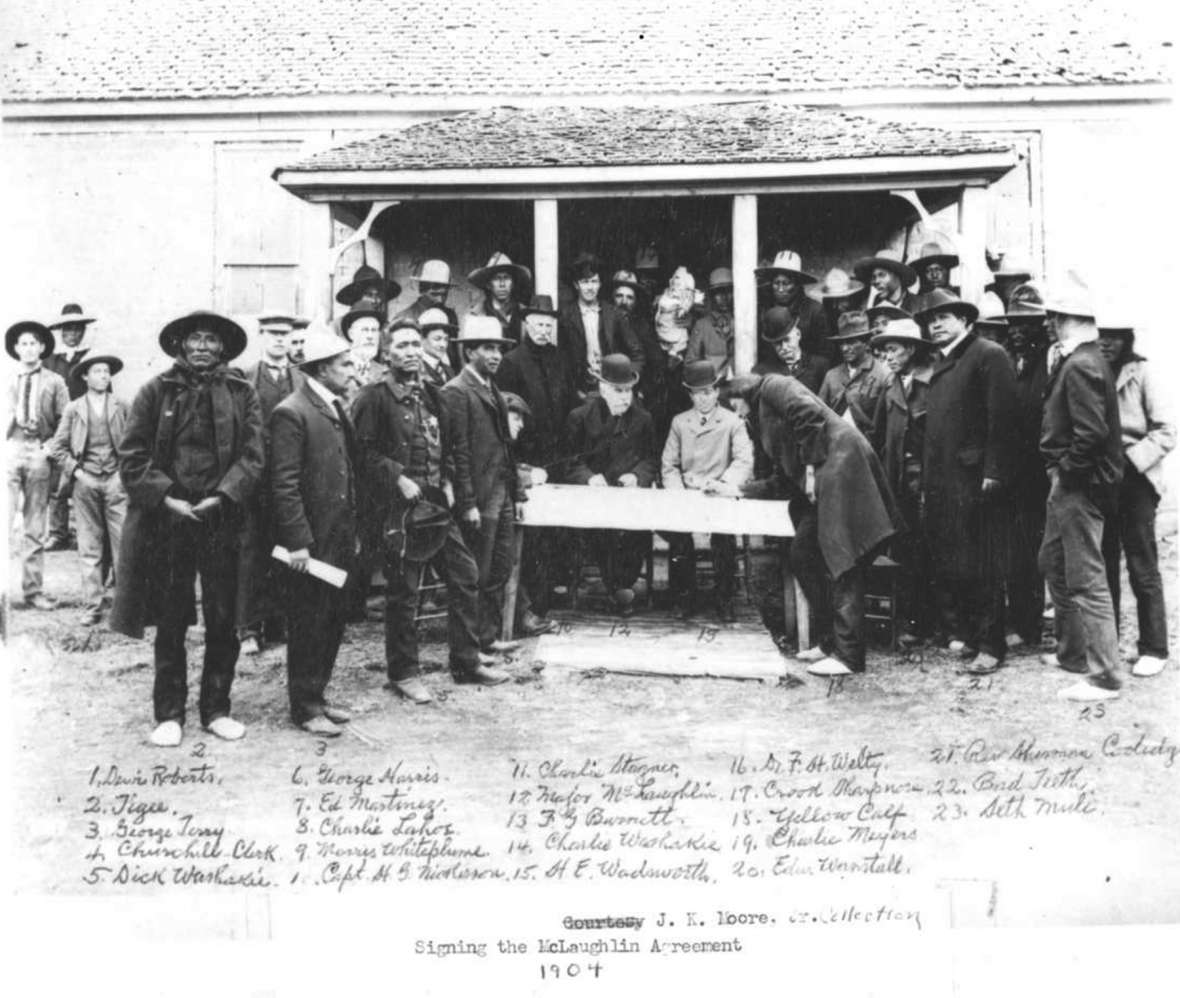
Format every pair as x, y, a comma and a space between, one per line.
836, 294
899, 434
781, 330
788, 283
84, 447
968, 464
711, 337
613, 443
591, 329
37, 399
709, 449
486, 486
1148, 436
191, 460
505, 287
933, 265
840, 505
407, 452
854, 389
437, 328
888, 280
313, 487
1081, 442
434, 286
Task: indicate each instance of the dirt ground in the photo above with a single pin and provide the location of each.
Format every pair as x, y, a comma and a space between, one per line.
75, 707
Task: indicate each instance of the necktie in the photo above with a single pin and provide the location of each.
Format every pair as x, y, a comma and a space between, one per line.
26, 406
345, 427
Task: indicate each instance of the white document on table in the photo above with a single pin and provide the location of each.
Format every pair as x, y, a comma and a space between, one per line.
319, 569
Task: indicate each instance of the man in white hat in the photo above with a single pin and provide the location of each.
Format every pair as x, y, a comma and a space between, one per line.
313, 490
787, 283
1081, 442
486, 485
434, 287
711, 336
437, 328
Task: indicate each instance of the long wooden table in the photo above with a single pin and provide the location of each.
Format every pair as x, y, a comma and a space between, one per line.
582, 507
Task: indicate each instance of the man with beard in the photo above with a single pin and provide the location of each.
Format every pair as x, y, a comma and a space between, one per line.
191, 460
505, 286
968, 463
434, 286
539, 374
361, 326
788, 283
889, 280
632, 303
781, 331
711, 337
436, 328
613, 444
854, 388
592, 329
486, 485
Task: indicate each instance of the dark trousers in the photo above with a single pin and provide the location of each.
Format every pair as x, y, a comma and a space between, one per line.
619, 555
915, 594
315, 626
682, 556
539, 550
837, 603
973, 611
492, 547
1132, 533
402, 580
209, 551
1026, 585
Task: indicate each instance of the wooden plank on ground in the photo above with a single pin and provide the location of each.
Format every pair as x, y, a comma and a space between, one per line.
660, 646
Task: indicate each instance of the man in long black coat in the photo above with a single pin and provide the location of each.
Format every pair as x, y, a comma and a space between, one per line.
313, 488
968, 465
191, 460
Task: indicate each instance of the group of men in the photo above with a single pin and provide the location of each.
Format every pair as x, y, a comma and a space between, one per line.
406, 441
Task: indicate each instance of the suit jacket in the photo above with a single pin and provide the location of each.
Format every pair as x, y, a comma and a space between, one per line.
439, 375
615, 335
60, 366
477, 421
542, 377
900, 428
861, 394
1030, 483
50, 405
261, 382
69, 443
711, 339
604, 445
1081, 435
313, 478
698, 451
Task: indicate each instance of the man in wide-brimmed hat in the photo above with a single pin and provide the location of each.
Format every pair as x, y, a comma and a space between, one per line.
591, 329
854, 388
368, 288
967, 473
711, 336
899, 435
191, 460
1081, 442
506, 287
361, 326
633, 304
788, 284
709, 449
888, 280
37, 399
406, 450
1148, 436
933, 265
85, 448
612, 440
781, 331
437, 328
313, 486
433, 280
486, 486
836, 294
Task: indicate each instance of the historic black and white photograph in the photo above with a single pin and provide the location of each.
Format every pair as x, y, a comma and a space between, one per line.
566, 497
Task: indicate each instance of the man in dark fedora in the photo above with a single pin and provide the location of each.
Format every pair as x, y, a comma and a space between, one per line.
85, 448
888, 280
433, 280
612, 440
709, 449
370, 289
191, 460
967, 468
711, 337
781, 330
437, 327
486, 486
408, 453
313, 463
933, 265
591, 329
71, 326
505, 287
854, 388
899, 437
37, 399
787, 283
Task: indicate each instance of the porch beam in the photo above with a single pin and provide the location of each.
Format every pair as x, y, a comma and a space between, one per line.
745, 290
972, 242
545, 247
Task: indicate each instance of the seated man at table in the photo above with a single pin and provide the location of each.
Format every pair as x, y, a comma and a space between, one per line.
708, 448
613, 444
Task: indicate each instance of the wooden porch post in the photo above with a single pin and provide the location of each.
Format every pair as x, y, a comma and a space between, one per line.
545, 247
973, 270
745, 293
314, 291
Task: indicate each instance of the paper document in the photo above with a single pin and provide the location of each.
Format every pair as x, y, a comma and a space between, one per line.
320, 569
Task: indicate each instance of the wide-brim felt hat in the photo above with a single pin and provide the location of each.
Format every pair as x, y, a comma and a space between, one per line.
941, 300
836, 284
323, 344
233, 336
419, 531
364, 278
78, 371
40, 330
864, 268
890, 311
789, 263
482, 329
71, 315
626, 279
617, 371
700, 374
1026, 303
902, 331
720, 277
499, 261
851, 326
358, 312
933, 252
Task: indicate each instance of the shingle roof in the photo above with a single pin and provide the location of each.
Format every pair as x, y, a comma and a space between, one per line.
758, 132
499, 49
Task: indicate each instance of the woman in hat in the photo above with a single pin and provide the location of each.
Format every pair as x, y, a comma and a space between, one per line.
899, 435
781, 330
191, 460
788, 282
505, 287
711, 337
709, 449
612, 442
84, 447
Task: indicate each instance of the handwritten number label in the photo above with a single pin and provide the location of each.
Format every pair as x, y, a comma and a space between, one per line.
707, 634
320, 748
620, 631
1093, 712
199, 750
91, 806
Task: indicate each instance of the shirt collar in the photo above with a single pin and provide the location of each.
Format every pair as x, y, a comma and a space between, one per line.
322, 392
592, 307
478, 377
954, 344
